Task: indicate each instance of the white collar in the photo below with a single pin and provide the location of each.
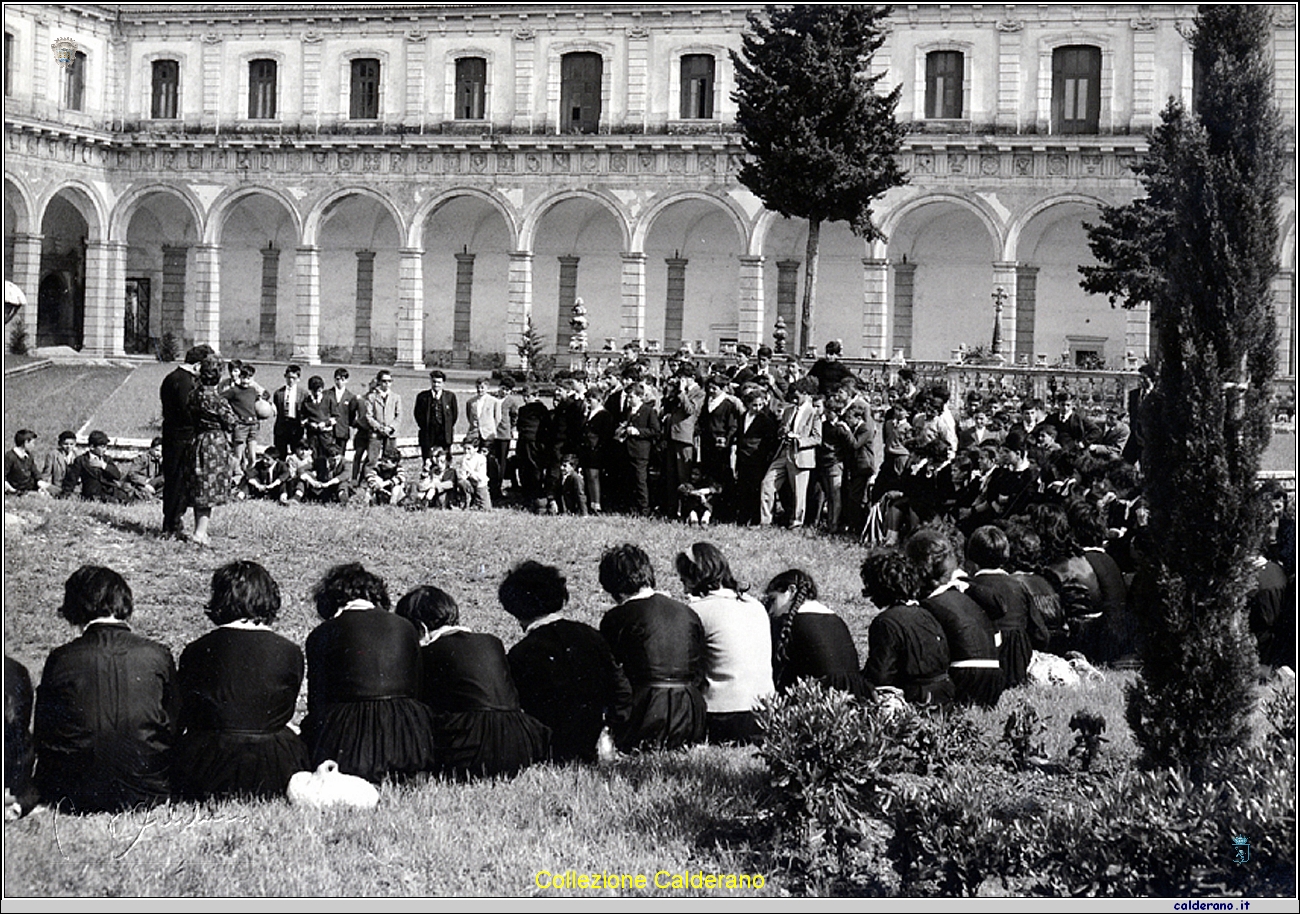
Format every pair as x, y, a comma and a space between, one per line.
815, 606
433, 636
247, 625
353, 604
956, 584
990, 571
643, 594
106, 620
542, 620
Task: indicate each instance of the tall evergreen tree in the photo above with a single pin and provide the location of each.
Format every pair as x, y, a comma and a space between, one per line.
822, 144
1200, 248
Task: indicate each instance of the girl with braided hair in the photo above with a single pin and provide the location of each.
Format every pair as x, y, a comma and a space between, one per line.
808, 639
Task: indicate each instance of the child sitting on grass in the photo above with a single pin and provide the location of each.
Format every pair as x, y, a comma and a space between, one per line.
697, 498
266, 477
385, 481
473, 475
437, 484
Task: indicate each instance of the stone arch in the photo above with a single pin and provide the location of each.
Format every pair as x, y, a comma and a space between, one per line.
19, 207
992, 221
322, 208
1054, 315
692, 242
220, 209
87, 201
415, 233
645, 221
127, 204
534, 214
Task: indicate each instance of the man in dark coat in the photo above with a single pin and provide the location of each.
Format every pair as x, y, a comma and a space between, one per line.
178, 437
436, 412
288, 410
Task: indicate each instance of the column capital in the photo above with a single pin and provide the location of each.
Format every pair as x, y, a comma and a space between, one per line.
365, 255
877, 262
102, 245
411, 252
28, 237
521, 255
752, 259
633, 256
308, 249
1005, 265
203, 246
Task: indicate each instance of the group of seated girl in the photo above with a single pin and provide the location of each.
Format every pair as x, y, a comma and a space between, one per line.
413, 692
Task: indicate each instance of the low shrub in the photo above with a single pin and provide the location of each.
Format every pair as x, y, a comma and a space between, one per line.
168, 347
19, 339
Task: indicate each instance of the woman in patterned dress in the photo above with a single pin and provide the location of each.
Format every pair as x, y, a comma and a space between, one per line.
208, 469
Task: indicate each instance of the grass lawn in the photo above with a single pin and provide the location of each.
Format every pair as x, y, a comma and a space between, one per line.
56, 398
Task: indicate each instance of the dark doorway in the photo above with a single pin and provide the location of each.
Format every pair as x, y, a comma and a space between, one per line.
59, 311
137, 340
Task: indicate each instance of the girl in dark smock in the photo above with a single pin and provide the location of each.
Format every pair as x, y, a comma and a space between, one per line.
1006, 601
479, 727
106, 706
239, 689
661, 646
808, 639
363, 682
906, 646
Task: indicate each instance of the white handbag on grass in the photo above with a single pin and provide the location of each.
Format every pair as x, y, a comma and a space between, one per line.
327, 786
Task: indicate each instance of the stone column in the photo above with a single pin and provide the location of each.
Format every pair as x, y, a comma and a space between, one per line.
1284, 307
1008, 81
207, 295
1137, 332
632, 315
525, 48
104, 324
751, 328
875, 308
674, 302
460, 324
365, 306
27, 276
270, 302
306, 323
1004, 275
410, 309
904, 288
172, 319
1026, 313
564, 306
519, 308
787, 295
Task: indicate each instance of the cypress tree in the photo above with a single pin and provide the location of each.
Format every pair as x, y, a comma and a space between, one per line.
1200, 248
821, 144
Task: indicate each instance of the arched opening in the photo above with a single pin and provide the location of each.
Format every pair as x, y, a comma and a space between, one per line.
160, 268
838, 304
359, 242
577, 255
258, 240
61, 303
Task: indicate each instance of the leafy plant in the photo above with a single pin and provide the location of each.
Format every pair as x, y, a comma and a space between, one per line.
168, 347
19, 338
1088, 728
1022, 734
530, 347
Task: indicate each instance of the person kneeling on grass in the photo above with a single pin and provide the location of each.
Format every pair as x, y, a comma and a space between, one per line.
473, 476
906, 647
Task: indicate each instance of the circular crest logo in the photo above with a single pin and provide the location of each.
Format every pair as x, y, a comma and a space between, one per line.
65, 52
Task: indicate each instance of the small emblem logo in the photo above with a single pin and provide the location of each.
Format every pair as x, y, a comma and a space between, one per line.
1241, 845
65, 52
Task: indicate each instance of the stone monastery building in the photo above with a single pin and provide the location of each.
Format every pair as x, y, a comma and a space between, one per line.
409, 183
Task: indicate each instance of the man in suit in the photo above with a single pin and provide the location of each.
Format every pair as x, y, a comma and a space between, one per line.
1137, 434
288, 410
436, 414
801, 433
638, 432
343, 406
757, 441
178, 436
383, 414
98, 477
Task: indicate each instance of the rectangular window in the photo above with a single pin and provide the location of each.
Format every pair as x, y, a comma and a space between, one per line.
471, 88
261, 89
944, 76
697, 86
166, 87
365, 89
9, 63
74, 85
580, 76
1076, 89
